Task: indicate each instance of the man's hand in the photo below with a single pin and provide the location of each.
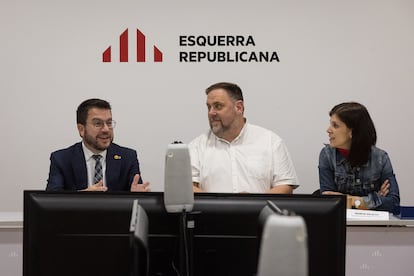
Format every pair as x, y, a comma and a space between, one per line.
197, 189
331, 193
135, 187
98, 187
281, 189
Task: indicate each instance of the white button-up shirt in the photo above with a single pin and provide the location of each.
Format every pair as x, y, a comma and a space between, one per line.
254, 162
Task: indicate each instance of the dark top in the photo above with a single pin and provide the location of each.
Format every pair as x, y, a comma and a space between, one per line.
68, 169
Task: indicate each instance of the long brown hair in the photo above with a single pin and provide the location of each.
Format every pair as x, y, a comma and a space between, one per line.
356, 117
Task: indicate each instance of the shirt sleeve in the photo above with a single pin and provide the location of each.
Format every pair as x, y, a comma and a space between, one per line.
193, 148
326, 172
283, 171
55, 182
390, 202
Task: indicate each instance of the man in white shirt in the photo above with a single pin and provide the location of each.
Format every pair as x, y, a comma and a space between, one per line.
235, 156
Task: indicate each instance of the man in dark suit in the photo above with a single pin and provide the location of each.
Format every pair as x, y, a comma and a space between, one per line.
74, 168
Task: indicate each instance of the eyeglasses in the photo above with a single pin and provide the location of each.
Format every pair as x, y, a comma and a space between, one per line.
101, 124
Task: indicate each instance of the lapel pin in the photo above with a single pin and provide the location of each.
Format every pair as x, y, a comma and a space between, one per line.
117, 157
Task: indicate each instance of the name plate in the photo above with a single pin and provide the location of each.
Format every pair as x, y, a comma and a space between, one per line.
356, 214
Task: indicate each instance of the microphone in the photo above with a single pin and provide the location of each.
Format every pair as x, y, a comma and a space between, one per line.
283, 242
178, 184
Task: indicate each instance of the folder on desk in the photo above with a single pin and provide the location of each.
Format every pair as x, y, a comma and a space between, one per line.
406, 212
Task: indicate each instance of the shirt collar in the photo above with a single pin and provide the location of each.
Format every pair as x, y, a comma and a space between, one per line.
340, 159
242, 131
88, 153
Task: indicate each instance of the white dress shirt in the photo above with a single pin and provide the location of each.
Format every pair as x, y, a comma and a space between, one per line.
90, 164
254, 162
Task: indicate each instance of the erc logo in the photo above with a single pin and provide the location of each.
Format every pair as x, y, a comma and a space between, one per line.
124, 49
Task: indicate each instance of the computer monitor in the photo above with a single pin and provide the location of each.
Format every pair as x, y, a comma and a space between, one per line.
78, 233
227, 232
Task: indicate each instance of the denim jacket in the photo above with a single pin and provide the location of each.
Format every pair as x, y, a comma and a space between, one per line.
335, 174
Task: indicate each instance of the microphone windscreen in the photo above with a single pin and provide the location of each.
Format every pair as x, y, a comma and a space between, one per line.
178, 185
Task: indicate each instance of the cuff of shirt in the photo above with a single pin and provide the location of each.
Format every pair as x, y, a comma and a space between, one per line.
372, 201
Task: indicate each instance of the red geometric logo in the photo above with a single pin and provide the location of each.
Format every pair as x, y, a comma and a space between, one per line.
123, 49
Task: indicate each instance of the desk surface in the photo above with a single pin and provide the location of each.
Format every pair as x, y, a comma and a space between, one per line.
393, 221
15, 220
11, 219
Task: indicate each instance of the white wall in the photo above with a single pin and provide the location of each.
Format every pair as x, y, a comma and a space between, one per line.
330, 51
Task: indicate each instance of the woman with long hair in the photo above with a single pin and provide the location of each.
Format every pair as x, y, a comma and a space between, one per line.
351, 164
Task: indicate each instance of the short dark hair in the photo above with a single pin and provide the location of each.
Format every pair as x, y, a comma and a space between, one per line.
356, 117
85, 106
232, 89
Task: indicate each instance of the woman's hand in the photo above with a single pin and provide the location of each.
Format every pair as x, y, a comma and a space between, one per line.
356, 202
384, 189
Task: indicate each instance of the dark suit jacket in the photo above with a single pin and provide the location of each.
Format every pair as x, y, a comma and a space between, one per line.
68, 169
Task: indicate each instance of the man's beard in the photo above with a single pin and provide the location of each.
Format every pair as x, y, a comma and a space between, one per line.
218, 128
93, 142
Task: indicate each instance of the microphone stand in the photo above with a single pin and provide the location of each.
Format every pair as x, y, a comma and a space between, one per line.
186, 244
